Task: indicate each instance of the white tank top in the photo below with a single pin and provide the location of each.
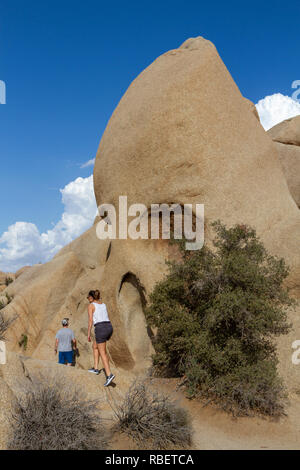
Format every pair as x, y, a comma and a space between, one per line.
100, 313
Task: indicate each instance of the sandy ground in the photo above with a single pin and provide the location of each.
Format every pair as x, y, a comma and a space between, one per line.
216, 430
213, 429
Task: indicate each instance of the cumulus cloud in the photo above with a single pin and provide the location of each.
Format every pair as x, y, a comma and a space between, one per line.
23, 244
88, 163
276, 108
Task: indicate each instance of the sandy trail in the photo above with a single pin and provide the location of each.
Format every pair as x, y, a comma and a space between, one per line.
217, 430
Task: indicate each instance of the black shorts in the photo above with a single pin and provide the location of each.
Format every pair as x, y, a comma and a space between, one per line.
103, 331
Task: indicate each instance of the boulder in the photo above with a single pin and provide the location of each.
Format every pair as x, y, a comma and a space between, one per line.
21, 271
287, 132
289, 156
38, 296
44, 294
286, 136
183, 133
90, 251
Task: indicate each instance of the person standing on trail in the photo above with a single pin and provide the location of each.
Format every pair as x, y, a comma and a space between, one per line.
64, 342
98, 316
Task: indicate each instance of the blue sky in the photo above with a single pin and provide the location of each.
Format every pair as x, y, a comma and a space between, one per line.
67, 63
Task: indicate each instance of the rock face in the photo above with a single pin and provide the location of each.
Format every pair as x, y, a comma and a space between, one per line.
6, 399
182, 133
286, 136
21, 271
45, 294
287, 132
253, 109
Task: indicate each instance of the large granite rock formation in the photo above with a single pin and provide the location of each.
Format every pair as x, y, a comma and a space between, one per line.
183, 133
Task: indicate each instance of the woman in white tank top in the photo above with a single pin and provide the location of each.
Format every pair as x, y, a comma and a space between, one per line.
100, 313
98, 316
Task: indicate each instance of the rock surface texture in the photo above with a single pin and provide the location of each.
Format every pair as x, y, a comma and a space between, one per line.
286, 136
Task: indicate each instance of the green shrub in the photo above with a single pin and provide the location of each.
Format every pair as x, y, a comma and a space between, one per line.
23, 341
9, 298
8, 280
152, 420
217, 313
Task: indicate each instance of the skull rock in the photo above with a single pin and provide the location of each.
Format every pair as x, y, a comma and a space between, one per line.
183, 133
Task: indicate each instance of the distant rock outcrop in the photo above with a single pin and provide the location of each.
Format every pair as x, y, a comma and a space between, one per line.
21, 271
286, 136
6, 279
287, 132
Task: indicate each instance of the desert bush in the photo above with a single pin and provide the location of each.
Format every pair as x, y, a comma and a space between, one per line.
56, 416
5, 324
9, 298
217, 313
8, 280
152, 420
23, 343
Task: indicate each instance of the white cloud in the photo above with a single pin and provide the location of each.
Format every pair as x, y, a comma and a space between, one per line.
88, 163
23, 244
276, 108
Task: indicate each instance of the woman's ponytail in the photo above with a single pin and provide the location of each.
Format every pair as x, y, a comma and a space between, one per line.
97, 295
